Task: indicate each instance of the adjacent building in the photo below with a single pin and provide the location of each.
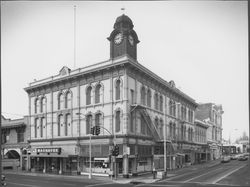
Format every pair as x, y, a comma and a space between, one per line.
212, 115
15, 135
135, 108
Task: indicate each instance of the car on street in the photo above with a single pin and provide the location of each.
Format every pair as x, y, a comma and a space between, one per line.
242, 158
234, 157
225, 159
3, 180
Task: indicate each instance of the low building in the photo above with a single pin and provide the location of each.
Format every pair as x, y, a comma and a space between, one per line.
15, 135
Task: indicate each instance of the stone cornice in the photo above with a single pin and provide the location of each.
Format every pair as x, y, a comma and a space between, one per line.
113, 64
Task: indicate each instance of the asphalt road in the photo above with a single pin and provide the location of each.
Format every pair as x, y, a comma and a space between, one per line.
224, 174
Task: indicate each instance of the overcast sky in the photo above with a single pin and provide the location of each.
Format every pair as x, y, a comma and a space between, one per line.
201, 45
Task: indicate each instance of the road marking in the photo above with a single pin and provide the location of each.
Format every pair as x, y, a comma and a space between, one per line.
217, 180
20, 184
99, 184
175, 177
158, 185
201, 175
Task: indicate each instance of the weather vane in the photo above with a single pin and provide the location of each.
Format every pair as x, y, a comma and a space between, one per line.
123, 10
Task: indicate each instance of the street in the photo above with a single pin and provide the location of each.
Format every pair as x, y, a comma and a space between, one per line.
224, 174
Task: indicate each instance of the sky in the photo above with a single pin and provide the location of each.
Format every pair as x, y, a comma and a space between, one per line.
201, 45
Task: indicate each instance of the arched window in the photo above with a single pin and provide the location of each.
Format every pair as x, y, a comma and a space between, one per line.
149, 98
156, 101
59, 124
43, 104
88, 95
161, 126
42, 125
88, 123
98, 93
143, 125
174, 131
36, 105
182, 134
60, 101
143, 94
170, 130
157, 125
98, 119
161, 103
118, 90
35, 127
67, 124
117, 121
172, 108
68, 100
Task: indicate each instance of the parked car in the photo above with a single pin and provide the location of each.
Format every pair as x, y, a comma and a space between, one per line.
246, 154
225, 159
242, 158
3, 180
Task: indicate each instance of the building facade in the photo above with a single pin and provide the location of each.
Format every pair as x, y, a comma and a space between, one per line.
134, 108
15, 135
202, 149
212, 115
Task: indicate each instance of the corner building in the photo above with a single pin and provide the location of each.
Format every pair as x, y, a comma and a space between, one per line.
133, 106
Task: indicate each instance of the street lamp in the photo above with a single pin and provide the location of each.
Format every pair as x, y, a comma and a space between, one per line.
164, 141
90, 169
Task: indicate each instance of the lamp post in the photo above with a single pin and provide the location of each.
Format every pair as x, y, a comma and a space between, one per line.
90, 167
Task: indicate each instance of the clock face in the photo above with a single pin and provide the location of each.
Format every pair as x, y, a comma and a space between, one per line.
131, 40
118, 38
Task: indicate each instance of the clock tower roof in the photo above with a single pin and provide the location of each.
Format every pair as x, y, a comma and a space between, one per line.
124, 22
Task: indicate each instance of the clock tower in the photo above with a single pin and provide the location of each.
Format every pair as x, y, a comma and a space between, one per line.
123, 39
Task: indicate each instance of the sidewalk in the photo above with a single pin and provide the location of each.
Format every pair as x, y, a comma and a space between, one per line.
143, 178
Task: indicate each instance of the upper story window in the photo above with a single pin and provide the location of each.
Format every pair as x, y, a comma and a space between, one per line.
42, 126
143, 96
88, 95
172, 108
98, 119
20, 135
67, 124
183, 113
68, 100
35, 127
59, 124
190, 116
161, 128
118, 89
117, 121
161, 103
60, 101
88, 123
143, 125
98, 93
36, 105
149, 98
43, 104
5, 135
156, 101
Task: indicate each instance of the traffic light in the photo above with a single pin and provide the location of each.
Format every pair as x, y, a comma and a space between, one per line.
97, 130
116, 150
92, 130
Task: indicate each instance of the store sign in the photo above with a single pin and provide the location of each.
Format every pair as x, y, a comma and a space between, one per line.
48, 150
